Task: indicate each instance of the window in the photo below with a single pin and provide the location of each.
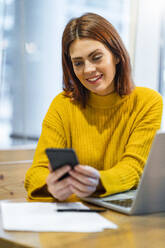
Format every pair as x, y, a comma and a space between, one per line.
6, 27
30, 58
162, 64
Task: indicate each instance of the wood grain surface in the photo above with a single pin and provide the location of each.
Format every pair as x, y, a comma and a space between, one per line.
133, 232
146, 231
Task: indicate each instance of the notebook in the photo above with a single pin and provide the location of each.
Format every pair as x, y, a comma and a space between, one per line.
149, 197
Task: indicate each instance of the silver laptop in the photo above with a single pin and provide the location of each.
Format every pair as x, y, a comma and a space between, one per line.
149, 197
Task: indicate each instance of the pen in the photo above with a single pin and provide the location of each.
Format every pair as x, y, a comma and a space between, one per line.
81, 210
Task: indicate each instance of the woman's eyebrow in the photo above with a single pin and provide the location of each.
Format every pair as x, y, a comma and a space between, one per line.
97, 50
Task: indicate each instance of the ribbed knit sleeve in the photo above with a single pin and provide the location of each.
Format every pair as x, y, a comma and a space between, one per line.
128, 170
52, 135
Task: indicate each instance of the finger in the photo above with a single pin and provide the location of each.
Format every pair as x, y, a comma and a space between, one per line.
80, 193
83, 178
62, 184
58, 185
87, 170
64, 197
50, 167
62, 194
62, 171
55, 175
80, 186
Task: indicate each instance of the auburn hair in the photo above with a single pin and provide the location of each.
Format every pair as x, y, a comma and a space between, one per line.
94, 26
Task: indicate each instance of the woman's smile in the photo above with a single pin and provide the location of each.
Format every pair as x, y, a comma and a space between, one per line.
94, 65
94, 79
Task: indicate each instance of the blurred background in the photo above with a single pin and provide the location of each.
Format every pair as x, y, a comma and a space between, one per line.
30, 55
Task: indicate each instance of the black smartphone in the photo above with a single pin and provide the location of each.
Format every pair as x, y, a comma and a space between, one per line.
60, 157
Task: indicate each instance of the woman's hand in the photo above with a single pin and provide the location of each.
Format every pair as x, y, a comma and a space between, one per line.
59, 189
84, 180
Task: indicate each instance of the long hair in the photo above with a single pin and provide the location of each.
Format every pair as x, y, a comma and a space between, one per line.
93, 26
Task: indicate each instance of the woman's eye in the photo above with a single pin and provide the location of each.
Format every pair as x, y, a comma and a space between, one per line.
97, 57
78, 63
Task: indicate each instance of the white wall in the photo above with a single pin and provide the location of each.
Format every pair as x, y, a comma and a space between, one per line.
147, 49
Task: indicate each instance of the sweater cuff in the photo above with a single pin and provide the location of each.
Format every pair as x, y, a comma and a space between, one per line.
37, 188
36, 185
115, 181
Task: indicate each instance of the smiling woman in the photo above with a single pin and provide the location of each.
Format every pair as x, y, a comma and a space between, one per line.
108, 121
94, 65
86, 37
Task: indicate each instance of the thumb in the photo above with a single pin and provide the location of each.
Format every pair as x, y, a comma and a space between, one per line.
50, 167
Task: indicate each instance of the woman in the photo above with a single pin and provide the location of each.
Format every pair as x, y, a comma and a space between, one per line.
108, 121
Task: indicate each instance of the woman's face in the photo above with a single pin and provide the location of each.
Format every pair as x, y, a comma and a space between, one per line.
94, 65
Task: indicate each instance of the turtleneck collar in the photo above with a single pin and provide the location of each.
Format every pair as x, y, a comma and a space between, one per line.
108, 101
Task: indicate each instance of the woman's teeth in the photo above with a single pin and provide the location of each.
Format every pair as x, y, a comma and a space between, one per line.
94, 79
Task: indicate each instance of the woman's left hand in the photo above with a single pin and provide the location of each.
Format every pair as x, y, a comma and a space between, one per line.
84, 180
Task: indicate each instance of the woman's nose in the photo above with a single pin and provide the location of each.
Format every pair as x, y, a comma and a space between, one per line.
89, 67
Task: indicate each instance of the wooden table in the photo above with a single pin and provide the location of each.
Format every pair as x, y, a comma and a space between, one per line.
146, 231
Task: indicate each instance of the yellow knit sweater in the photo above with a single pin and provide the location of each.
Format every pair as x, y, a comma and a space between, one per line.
112, 134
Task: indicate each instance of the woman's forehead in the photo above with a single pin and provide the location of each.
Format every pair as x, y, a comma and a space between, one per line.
84, 46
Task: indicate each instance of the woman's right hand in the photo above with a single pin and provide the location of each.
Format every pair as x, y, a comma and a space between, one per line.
60, 190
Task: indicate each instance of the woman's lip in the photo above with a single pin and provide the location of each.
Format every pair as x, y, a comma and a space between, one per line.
94, 81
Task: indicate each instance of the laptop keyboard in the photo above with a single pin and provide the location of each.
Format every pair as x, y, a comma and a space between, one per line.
123, 202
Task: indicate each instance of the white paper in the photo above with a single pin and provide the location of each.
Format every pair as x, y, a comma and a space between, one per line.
43, 217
